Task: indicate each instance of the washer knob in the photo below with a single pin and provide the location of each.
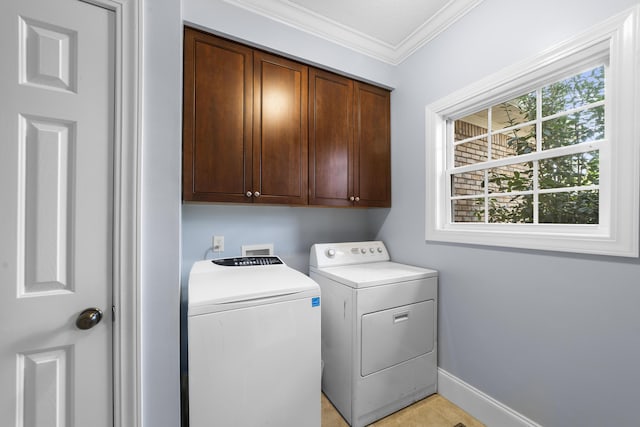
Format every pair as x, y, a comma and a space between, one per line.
371, 250
363, 251
379, 250
331, 253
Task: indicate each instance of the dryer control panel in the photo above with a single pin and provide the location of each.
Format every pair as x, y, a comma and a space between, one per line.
335, 254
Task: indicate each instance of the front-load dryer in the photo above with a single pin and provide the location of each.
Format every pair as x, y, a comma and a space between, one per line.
379, 324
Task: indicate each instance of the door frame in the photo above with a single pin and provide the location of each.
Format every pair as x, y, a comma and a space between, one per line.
126, 213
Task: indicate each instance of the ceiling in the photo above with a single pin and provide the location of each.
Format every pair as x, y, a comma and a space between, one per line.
388, 30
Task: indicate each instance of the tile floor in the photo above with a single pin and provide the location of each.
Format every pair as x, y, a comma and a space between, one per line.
433, 411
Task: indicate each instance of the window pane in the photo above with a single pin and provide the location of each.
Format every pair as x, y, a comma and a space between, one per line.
467, 210
574, 92
583, 126
471, 152
514, 142
472, 125
575, 207
467, 184
514, 112
506, 179
570, 171
511, 209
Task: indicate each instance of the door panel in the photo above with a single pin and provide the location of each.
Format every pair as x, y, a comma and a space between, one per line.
330, 139
373, 157
280, 136
56, 175
218, 78
47, 146
395, 335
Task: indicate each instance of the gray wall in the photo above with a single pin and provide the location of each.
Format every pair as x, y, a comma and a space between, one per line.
222, 18
555, 337
160, 153
292, 230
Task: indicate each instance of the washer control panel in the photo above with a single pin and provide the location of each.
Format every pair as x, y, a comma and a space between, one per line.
247, 261
334, 254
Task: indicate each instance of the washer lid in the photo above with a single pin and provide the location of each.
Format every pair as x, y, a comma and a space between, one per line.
374, 274
212, 285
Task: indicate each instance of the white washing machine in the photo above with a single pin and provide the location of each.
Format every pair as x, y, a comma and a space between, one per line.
379, 323
254, 344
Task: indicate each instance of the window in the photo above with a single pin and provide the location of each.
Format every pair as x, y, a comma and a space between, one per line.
545, 154
532, 159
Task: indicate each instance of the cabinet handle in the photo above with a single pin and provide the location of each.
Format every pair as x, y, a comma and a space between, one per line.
357, 199
249, 194
256, 194
352, 198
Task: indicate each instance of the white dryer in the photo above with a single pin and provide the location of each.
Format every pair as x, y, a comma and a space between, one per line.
379, 324
254, 344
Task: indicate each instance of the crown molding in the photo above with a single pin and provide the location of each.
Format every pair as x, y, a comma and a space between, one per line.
303, 19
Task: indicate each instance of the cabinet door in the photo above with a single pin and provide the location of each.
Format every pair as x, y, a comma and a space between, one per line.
372, 161
280, 130
217, 135
330, 139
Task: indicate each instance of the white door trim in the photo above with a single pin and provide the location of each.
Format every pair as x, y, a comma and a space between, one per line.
126, 215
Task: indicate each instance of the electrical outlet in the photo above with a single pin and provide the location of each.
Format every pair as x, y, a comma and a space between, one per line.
218, 244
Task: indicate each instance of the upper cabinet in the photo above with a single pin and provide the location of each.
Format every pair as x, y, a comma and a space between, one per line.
280, 133
349, 142
372, 165
330, 139
259, 128
217, 123
245, 124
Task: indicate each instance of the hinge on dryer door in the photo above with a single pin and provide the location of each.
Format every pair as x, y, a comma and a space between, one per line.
113, 313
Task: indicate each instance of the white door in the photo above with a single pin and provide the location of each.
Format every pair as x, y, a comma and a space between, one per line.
56, 212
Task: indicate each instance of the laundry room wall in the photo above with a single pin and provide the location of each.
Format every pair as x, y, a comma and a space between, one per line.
159, 234
223, 18
551, 336
292, 230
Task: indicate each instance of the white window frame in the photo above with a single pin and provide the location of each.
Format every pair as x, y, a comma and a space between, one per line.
617, 233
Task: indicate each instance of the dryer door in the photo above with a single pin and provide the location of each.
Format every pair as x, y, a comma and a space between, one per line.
393, 336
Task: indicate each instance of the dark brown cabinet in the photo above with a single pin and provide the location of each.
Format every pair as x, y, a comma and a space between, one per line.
259, 128
217, 124
330, 139
280, 133
349, 142
245, 124
372, 152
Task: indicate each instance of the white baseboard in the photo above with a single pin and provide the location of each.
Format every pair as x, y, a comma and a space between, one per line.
478, 404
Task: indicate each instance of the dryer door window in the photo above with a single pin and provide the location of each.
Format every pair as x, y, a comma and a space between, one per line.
393, 336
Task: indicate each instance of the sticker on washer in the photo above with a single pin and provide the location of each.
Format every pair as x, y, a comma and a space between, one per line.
315, 302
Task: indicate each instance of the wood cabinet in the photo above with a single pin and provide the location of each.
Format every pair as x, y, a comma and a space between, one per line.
372, 152
280, 133
259, 128
349, 142
330, 139
245, 124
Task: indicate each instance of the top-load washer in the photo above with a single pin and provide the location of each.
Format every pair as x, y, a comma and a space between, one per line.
379, 323
254, 344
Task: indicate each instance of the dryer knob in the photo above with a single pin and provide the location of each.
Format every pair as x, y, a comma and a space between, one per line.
331, 253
